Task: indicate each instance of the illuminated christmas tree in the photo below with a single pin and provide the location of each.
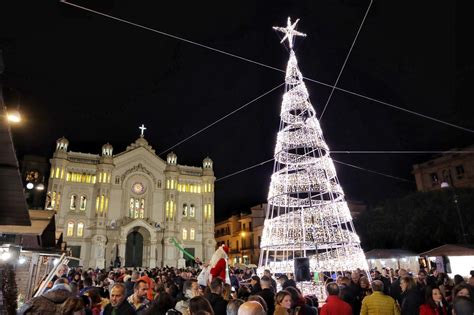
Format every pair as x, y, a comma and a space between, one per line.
307, 215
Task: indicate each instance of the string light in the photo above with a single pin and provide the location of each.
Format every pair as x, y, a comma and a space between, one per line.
307, 213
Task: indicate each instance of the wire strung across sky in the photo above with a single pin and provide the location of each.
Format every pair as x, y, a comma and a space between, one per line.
345, 60
222, 118
333, 87
359, 167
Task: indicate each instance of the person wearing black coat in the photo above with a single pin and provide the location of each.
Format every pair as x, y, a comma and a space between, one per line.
219, 305
118, 304
267, 293
410, 297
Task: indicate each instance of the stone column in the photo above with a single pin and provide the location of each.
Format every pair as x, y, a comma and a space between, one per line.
152, 262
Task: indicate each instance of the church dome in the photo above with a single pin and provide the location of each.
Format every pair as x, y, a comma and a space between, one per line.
171, 158
207, 163
62, 144
107, 149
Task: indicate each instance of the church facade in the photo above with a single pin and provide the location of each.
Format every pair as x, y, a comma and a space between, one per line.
132, 207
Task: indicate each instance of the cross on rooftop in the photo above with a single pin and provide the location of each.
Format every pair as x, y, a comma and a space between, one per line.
289, 31
142, 128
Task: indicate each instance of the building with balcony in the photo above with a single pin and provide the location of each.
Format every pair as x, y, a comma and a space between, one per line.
242, 233
456, 169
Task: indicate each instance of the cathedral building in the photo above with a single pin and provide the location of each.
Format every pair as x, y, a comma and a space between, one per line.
131, 207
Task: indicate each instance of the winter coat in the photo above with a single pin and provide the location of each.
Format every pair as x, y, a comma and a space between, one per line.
219, 305
48, 303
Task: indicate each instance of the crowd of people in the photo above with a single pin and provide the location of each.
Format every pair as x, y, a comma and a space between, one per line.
171, 290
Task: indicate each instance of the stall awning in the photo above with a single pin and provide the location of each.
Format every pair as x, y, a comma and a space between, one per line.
449, 250
389, 253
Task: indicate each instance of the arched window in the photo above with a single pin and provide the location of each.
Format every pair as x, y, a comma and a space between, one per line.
185, 210
80, 229
70, 229
83, 202
192, 234
192, 211
136, 208
72, 205
185, 234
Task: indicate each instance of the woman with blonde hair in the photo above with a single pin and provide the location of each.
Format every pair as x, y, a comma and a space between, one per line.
283, 303
410, 296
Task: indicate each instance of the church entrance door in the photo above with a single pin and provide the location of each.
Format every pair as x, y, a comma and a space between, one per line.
134, 250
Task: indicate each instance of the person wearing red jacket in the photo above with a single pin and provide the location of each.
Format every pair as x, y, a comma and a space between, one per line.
218, 264
434, 303
334, 305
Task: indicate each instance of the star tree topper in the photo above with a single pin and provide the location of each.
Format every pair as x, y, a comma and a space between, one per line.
289, 32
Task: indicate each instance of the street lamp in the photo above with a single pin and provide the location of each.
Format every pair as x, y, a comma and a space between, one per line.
445, 185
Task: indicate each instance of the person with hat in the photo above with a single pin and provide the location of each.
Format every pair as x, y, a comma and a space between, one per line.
219, 265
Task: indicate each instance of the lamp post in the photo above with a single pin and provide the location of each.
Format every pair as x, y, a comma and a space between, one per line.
445, 185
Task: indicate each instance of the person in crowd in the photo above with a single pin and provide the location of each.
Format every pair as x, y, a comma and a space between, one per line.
243, 293
259, 299
386, 283
255, 285
251, 308
283, 303
395, 289
267, 293
215, 298
410, 296
190, 290
160, 306
49, 302
73, 306
349, 294
463, 306
422, 284
435, 304
446, 285
96, 301
378, 302
130, 282
365, 288
118, 305
285, 282
199, 303
233, 306
268, 274
151, 285
335, 305
219, 265
138, 300
463, 289
299, 306
458, 279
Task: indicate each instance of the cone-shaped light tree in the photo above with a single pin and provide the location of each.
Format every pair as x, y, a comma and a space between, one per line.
307, 215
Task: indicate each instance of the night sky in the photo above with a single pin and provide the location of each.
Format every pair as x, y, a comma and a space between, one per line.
95, 80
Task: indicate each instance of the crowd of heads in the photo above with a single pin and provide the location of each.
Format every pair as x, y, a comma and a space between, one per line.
171, 290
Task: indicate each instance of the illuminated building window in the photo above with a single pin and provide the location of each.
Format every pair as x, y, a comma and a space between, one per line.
70, 229
58, 200
56, 174
72, 204
80, 229
83, 202
185, 234
97, 203
32, 176
185, 210
192, 211
102, 201
137, 208
192, 234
